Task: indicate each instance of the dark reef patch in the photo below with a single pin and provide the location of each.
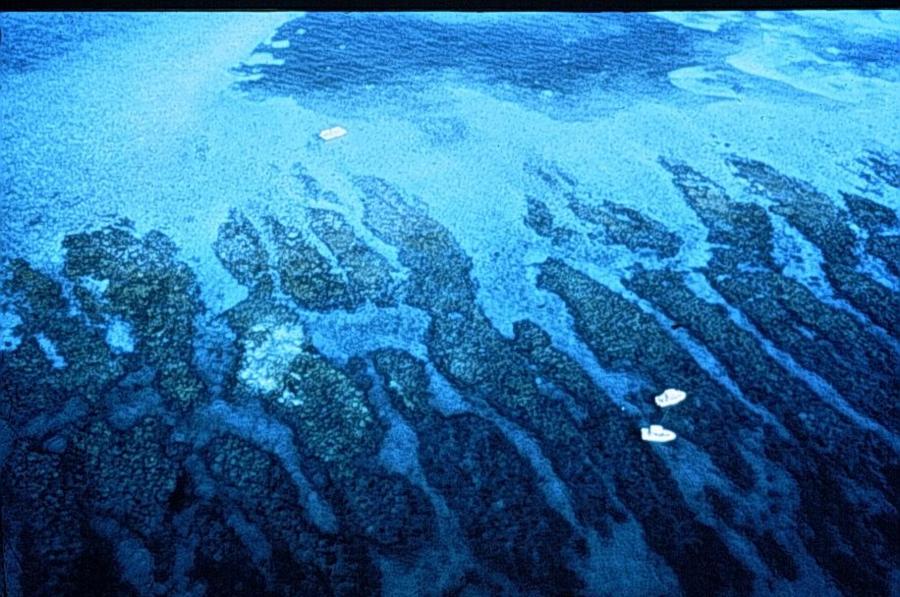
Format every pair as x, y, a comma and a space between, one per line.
486, 482
240, 249
61, 357
881, 167
158, 295
785, 310
821, 437
306, 275
625, 226
623, 337
540, 219
295, 556
883, 229
337, 52
369, 275
200, 453
606, 222
817, 217
475, 357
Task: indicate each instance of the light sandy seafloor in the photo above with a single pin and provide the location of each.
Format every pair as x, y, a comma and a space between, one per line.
178, 122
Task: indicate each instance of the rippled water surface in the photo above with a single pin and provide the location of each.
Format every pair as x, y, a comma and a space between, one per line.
236, 359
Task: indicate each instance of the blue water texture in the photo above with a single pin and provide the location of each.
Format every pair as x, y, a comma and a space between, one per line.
422, 357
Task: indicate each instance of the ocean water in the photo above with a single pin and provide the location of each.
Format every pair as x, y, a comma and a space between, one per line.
236, 359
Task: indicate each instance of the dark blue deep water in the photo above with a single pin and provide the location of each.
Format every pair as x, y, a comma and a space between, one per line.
423, 357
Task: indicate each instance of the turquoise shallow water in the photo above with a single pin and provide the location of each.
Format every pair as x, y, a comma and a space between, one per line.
238, 359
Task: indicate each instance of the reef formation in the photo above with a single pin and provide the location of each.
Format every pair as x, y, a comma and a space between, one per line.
149, 446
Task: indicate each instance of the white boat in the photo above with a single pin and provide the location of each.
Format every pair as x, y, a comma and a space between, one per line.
670, 397
657, 433
333, 133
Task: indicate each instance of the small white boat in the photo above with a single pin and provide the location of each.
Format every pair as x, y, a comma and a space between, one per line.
657, 433
334, 132
670, 397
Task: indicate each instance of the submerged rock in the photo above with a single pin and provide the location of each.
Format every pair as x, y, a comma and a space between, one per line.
823, 438
240, 249
784, 309
817, 217
153, 291
487, 483
219, 480
294, 555
306, 275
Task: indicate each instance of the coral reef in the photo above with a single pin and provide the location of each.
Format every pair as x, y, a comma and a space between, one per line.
151, 447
